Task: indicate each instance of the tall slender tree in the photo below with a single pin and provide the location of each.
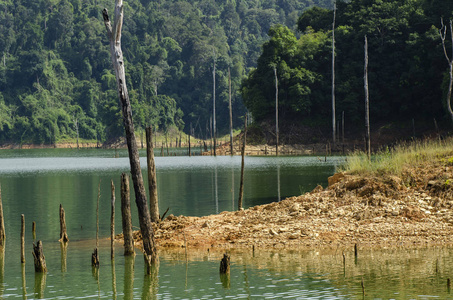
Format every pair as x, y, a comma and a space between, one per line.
333, 74
114, 35
213, 105
367, 102
443, 34
276, 110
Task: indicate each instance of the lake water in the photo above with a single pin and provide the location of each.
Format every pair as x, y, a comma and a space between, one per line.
35, 182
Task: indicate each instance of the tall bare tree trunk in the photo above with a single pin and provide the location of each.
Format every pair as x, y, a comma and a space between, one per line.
152, 180
213, 108
146, 228
241, 186
367, 103
276, 110
231, 112
333, 75
2, 222
443, 35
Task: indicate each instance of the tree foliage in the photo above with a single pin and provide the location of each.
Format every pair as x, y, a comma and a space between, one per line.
407, 70
55, 66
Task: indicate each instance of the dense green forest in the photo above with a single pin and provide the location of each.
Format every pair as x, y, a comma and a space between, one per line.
408, 72
56, 76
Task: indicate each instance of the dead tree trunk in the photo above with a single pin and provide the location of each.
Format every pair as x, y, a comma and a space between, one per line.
333, 75
146, 228
63, 235
231, 111
213, 107
276, 110
152, 180
367, 103
126, 216
241, 186
40, 260
112, 222
2, 222
443, 34
22, 238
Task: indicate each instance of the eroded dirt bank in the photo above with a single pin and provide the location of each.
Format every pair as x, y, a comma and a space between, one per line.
415, 209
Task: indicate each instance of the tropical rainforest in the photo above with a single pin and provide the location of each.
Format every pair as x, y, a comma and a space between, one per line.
57, 79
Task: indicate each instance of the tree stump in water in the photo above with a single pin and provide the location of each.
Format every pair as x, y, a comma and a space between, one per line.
95, 258
40, 260
2, 222
126, 216
63, 235
225, 264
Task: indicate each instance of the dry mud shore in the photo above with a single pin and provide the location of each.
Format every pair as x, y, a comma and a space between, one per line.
414, 210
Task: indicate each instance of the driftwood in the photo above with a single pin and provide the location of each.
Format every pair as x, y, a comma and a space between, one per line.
146, 229
40, 260
94, 255
126, 216
95, 258
63, 234
152, 180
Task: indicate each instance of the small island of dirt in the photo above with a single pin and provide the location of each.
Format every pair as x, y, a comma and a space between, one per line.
411, 210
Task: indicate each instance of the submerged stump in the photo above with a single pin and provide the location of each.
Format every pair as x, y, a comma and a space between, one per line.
40, 260
63, 234
225, 264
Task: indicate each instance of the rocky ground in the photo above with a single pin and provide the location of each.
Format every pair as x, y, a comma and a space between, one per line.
388, 211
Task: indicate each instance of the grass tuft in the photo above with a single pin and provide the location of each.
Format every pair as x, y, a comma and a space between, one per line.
393, 161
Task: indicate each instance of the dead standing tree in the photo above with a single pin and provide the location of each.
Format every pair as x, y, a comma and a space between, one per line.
443, 35
114, 35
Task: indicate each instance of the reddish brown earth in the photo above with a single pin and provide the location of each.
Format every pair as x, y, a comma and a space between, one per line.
389, 211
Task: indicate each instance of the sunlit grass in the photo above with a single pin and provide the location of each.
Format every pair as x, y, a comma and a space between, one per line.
393, 161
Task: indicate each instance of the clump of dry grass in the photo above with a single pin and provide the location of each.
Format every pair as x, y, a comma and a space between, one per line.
393, 161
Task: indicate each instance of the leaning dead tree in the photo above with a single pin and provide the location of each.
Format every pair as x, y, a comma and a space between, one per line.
443, 35
114, 35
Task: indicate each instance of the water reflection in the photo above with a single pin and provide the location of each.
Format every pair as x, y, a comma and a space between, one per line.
129, 263
24, 282
64, 254
2, 270
40, 284
151, 283
112, 264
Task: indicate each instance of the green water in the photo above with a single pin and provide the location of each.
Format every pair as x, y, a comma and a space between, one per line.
35, 182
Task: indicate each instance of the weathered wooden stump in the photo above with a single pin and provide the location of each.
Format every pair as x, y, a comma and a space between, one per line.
33, 230
112, 223
126, 216
95, 258
63, 234
2, 222
225, 264
40, 260
22, 238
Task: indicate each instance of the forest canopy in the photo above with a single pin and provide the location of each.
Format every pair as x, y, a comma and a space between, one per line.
408, 72
56, 75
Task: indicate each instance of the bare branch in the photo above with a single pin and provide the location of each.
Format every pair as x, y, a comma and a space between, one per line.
443, 35
108, 26
118, 21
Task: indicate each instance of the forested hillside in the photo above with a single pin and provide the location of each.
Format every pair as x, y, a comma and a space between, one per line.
408, 72
56, 76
